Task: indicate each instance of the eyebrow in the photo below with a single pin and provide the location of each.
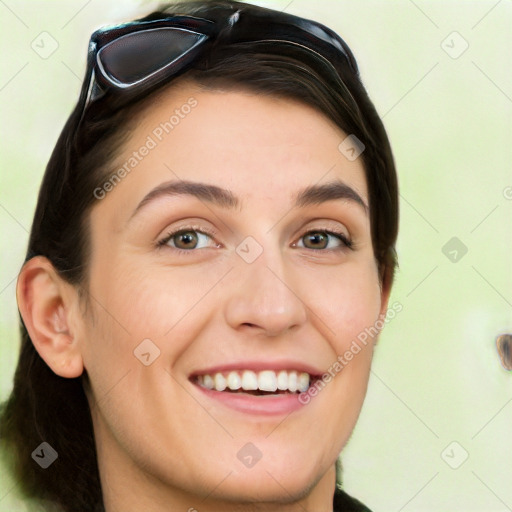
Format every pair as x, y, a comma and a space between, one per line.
314, 194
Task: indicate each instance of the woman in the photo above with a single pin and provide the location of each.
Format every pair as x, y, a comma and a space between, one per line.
214, 233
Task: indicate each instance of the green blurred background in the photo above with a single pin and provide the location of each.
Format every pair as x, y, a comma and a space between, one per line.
435, 433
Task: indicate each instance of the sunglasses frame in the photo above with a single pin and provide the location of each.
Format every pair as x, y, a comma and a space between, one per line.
235, 24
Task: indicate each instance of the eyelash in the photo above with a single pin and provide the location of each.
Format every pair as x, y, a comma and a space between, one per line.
346, 243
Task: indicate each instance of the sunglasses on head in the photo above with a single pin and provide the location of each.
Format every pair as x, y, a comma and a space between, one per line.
129, 60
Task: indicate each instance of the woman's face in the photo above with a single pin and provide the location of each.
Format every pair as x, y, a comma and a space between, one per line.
255, 284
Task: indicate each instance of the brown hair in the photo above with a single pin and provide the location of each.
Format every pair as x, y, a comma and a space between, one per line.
46, 407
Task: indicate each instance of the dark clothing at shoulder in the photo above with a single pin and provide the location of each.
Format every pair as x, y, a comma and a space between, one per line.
342, 502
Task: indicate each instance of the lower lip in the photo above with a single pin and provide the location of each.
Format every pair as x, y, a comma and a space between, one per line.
267, 405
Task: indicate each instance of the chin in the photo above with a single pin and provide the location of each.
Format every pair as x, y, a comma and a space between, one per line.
280, 479
266, 487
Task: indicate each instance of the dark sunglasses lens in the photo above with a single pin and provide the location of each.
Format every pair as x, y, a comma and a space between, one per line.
138, 55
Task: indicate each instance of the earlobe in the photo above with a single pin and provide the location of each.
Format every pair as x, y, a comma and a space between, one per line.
46, 303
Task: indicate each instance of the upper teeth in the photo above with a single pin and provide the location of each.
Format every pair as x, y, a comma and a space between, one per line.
266, 380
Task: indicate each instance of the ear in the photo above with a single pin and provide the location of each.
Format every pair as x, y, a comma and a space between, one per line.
47, 304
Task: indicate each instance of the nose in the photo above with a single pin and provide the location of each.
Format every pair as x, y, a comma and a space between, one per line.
263, 299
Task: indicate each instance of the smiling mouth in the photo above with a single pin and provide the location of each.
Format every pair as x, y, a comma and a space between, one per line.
265, 382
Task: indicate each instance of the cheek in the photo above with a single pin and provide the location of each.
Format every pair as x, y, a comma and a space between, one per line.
347, 302
137, 302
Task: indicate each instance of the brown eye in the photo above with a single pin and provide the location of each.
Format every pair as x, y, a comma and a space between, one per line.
320, 240
185, 239
317, 239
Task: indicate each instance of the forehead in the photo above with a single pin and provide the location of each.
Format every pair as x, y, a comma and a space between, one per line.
259, 146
